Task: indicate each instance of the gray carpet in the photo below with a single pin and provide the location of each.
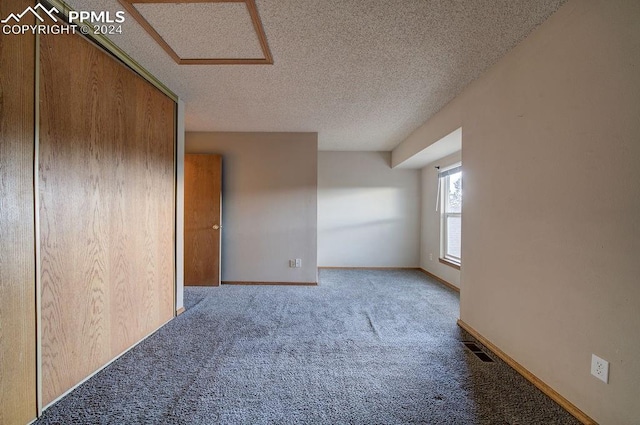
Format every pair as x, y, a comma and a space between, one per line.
364, 347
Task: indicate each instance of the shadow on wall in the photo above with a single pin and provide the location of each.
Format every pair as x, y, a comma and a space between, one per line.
358, 206
356, 226
363, 227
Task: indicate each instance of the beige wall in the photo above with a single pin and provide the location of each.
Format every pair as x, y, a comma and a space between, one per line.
430, 222
269, 212
551, 155
368, 213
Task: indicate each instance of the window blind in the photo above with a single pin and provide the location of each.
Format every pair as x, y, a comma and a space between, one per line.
449, 171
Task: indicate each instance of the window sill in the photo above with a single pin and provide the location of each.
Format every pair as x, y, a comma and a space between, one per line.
450, 263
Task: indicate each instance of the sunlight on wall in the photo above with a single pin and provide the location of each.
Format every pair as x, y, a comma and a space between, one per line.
368, 213
358, 207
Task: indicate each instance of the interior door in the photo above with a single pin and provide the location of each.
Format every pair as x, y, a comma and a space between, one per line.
202, 219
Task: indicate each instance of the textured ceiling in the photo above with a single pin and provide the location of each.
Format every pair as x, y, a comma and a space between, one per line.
362, 73
204, 30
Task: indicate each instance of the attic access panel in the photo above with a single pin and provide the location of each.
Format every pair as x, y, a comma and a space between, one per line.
204, 32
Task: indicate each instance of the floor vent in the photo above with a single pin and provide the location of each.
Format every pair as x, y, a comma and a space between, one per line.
478, 352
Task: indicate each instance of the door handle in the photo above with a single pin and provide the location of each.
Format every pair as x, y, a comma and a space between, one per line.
215, 227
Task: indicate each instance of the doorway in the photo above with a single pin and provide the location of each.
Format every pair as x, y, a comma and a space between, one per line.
202, 219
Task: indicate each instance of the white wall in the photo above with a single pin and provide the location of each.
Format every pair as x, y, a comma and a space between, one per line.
368, 213
430, 222
269, 203
550, 218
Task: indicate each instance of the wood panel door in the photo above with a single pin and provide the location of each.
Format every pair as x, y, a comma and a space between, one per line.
202, 219
107, 182
17, 264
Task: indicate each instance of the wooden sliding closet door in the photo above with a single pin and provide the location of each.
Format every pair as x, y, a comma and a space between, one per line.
107, 141
17, 263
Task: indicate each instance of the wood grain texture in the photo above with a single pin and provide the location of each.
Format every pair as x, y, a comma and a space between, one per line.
202, 212
17, 261
106, 178
539, 383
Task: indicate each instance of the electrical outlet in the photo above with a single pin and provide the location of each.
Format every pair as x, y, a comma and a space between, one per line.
298, 263
600, 368
430, 257
292, 264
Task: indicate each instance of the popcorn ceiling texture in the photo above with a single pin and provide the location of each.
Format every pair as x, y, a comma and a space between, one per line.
204, 30
362, 73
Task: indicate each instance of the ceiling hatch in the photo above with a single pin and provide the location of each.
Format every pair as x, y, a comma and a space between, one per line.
204, 32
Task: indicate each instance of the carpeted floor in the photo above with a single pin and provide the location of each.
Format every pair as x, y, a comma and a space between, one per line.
364, 347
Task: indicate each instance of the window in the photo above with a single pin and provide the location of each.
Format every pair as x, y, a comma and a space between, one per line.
450, 181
